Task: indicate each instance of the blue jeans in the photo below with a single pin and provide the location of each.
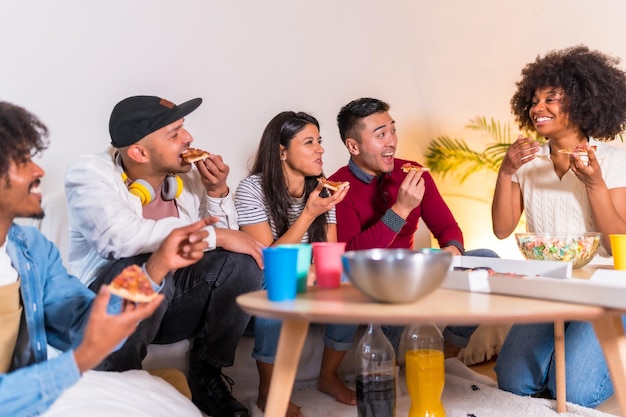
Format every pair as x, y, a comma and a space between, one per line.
525, 364
266, 332
199, 304
337, 336
460, 335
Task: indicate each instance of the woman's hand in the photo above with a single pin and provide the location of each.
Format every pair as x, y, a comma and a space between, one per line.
588, 173
520, 152
316, 205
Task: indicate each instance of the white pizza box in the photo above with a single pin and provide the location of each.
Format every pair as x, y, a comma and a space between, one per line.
474, 281
605, 288
549, 280
554, 269
477, 280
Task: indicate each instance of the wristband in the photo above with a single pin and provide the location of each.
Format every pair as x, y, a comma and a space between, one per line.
393, 221
211, 239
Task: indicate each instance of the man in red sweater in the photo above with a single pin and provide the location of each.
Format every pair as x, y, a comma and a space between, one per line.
384, 204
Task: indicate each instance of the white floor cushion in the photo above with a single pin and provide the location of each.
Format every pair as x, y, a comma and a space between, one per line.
132, 393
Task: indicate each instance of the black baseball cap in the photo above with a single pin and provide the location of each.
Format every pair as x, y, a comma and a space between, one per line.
135, 117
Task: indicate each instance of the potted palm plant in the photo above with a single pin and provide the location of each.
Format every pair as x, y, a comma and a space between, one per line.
454, 158
450, 156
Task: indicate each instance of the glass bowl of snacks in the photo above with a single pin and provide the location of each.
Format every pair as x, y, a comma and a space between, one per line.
577, 248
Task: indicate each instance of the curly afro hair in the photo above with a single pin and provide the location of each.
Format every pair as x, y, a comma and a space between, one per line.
22, 136
594, 86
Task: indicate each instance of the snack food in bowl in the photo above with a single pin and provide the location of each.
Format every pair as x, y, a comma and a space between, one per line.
577, 248
396, 275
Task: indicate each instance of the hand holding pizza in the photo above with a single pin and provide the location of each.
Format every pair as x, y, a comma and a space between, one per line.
214, 172
410, 194
105, 331
586, 167
316, 205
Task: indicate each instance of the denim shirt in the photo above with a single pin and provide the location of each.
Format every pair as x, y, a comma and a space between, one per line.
56, 308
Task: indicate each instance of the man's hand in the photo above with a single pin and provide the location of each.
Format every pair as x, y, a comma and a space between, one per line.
182, 247
213, 172
410, 194
105, 331
453, 250
240, 242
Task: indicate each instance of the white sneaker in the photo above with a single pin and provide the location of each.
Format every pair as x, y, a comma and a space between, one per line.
455, 367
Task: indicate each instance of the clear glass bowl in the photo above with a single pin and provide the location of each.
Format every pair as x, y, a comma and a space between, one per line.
577, 248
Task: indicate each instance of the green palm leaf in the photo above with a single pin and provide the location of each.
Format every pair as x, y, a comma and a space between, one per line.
494, 129
453, 156
448, 156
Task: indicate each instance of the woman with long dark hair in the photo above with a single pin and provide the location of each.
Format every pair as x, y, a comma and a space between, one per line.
282, 202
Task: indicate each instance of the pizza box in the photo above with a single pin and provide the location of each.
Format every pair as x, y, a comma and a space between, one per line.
549, 280
604, 288
477, 280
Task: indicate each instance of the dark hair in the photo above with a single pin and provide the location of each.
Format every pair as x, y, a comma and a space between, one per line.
350, 115
280, 131
22, 136
594, 86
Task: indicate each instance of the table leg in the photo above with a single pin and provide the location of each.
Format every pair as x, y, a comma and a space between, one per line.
292, 336
610, 334
559, 355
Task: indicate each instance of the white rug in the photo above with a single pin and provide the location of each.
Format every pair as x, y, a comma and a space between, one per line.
461, 398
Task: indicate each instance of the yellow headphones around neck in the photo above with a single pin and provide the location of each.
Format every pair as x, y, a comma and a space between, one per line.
172, 186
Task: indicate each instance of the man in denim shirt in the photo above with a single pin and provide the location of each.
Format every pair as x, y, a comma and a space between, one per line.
40, 303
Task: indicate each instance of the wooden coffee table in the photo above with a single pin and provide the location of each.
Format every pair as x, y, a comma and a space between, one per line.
444, 307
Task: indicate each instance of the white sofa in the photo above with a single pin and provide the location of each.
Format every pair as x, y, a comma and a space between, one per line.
485, 342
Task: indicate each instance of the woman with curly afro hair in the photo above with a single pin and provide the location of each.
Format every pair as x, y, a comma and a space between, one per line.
574, 182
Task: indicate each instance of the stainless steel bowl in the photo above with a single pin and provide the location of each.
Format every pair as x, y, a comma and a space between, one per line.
396, 275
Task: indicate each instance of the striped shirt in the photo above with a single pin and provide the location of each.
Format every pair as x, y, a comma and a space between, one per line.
252, 206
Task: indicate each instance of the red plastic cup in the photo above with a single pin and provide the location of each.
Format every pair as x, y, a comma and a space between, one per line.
328, 266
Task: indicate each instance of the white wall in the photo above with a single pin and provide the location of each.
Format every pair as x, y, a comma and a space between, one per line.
437, 63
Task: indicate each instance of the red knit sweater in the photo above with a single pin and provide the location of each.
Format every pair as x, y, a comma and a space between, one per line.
359, 214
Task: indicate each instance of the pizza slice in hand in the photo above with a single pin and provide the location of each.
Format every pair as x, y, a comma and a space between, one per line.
192, 155
333, 185
132, 284
578, 150
408, 167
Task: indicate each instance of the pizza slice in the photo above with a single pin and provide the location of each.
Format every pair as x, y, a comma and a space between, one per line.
192, 155
132, 284
578, 149
333, 185
408, 167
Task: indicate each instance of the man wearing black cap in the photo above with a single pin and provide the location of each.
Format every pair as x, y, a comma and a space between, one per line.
122, 204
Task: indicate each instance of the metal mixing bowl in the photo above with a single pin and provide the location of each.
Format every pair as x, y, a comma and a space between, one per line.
396, 275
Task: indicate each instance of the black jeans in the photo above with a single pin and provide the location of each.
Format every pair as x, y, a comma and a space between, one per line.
459, 336
199, 304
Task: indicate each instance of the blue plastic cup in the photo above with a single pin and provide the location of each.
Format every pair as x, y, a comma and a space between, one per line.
304, 264
280, 272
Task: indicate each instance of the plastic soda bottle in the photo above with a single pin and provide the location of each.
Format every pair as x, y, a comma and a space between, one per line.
375, 374
425, 373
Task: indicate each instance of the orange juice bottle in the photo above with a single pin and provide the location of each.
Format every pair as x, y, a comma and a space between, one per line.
425, 374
